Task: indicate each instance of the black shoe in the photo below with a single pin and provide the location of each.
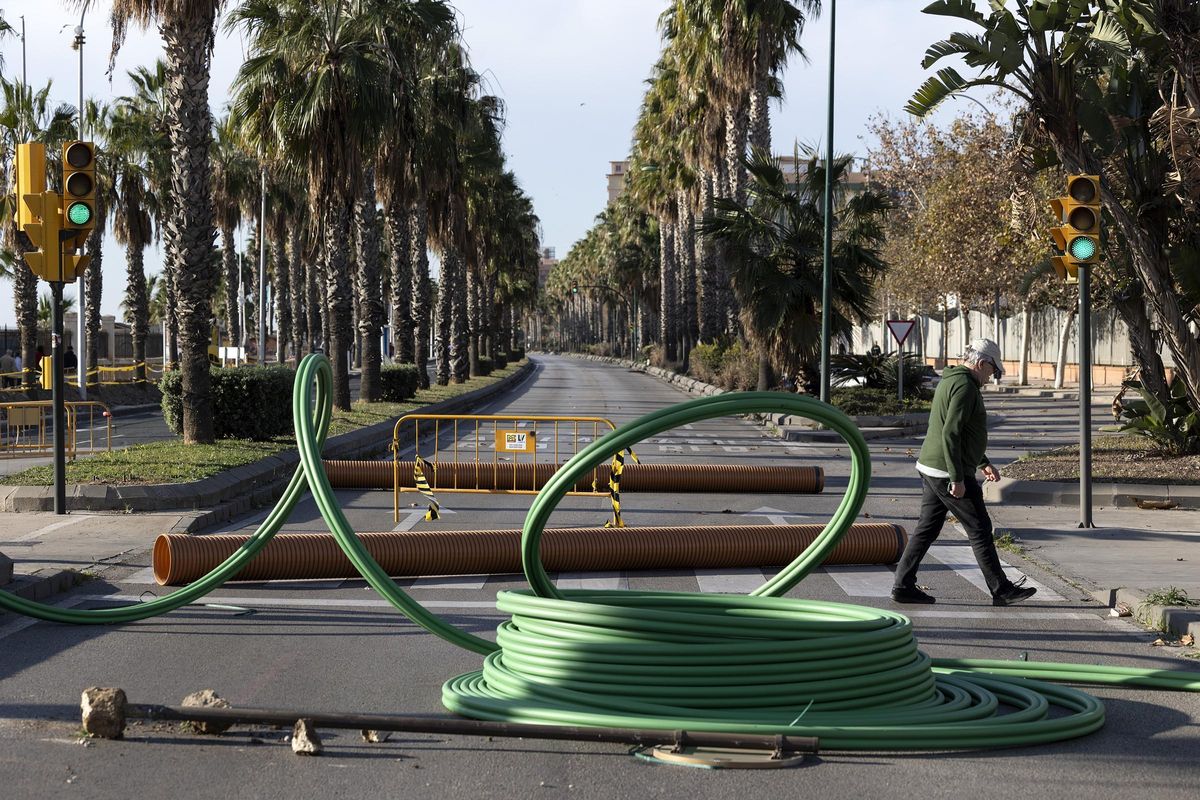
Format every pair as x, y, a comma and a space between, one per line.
912, 595
1013, 594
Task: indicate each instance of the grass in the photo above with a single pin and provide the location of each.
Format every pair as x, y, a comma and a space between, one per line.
1170, 596
860, 402
1005, 541
172, 461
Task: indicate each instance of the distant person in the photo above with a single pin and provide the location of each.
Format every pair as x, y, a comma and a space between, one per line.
7, 365
954, 449
70, 362
875, 351
17, 367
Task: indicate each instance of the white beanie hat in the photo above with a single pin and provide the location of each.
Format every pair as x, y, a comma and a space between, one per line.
985, 348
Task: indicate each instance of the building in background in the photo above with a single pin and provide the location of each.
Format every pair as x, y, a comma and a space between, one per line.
546, 263
616, 179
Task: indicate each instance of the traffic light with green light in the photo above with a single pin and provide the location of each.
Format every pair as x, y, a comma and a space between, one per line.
79, 189
1079, 235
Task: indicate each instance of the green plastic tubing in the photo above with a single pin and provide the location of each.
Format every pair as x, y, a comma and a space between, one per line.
761, 663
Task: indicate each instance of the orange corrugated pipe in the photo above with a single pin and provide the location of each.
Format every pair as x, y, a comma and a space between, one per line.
722, 478
181, 558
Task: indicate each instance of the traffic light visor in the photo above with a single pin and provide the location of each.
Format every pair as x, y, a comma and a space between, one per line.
79, 155
1083, 190
1083, 247
79, 213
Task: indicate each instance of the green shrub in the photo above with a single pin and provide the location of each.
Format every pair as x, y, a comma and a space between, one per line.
1173, 426
705, 361
399, 382
501, 360
739, 368
483, 366
516, 354
861, 401
248, 402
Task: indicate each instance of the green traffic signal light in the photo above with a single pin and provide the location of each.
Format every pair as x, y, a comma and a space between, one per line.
79, 213
1083, 248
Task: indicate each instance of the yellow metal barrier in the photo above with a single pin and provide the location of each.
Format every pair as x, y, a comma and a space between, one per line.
508, 434
13, 382
27, 428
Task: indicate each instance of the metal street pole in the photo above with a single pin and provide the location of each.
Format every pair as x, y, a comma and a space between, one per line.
827, 280
1085, 398
57, 385
261, 300
80, 334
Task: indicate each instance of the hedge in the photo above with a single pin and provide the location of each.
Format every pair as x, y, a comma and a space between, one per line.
248, 402
398, 382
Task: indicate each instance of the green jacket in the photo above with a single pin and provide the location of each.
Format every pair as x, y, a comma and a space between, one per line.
957, 437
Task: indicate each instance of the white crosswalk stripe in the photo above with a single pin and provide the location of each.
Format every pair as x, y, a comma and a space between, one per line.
450, 582
961, 559
592, 580
862, 581
730, 581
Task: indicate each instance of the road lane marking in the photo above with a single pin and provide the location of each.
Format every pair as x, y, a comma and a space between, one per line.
729, 581
874, 580
1001, 614
961, 559
450, 582
53, 526
592, 580
21, 623
292, 602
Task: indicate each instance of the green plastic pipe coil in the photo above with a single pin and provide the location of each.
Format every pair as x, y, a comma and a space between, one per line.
762, 663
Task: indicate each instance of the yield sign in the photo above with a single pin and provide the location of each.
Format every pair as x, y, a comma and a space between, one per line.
900, 329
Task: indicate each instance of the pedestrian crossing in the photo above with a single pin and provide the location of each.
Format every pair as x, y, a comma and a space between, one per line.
855, 581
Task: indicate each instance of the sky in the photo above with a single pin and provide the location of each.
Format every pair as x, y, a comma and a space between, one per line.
571, 73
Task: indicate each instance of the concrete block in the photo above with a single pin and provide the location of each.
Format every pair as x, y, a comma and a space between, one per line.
33, 498
6, 570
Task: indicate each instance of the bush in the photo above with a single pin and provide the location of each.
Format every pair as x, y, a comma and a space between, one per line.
861, 401
603, 349
501, 360
516, 354
739, 369
705, 362
399, 382
1173, 426
878, 371
248, 402
483, 366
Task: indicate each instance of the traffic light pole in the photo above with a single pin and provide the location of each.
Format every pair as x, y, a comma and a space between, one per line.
1085, 398
58, 389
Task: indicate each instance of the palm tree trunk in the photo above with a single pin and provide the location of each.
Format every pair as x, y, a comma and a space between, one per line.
445, 306
370, 289
487, 308
473, 323
760, 110
459, 322
229, 264
736, 121
94, 286
281, 274
137, 306
188, 45
338, 288
1026, 345
667, 303
400, 240
686, 255
25, 300
297, 281
419, 227
708, 303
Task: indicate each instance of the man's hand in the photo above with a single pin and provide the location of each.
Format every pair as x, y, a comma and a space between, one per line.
958, 489
991, 473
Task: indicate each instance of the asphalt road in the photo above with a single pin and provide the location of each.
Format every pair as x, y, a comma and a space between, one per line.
334, 645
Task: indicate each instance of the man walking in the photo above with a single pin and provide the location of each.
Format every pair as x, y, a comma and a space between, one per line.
954, 449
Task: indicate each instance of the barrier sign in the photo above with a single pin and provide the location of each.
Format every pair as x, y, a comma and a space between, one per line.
515, 441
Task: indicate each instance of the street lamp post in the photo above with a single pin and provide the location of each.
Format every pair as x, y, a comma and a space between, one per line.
827, 278
81, 307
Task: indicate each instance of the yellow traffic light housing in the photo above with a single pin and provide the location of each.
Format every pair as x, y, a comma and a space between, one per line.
1081, 218
79, 189
31, 180
46, 217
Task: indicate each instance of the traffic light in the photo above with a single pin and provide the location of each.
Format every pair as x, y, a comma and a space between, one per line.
31, 180
79, 189
1079, 235
574, 289
42, 227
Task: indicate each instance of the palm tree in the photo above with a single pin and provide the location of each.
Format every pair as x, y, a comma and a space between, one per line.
45, 306
187, 28
97, 115
315, 89
775, 241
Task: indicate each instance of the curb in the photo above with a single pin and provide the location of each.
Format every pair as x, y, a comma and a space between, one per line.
236, 491
791, 429
1169, 619
1066, 493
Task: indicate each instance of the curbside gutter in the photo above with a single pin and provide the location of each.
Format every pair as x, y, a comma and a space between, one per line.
234, 492
791, 429
1175, 620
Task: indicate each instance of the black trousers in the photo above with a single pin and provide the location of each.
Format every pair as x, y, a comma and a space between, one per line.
936, 501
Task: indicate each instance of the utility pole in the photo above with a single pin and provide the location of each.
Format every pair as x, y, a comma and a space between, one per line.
827, 278
81, 308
